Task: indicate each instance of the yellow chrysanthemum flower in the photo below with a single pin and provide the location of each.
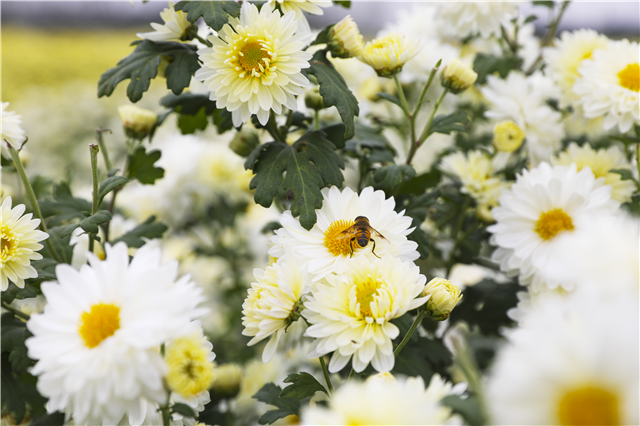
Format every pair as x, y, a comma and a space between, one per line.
458, 76
190, 365
388, 54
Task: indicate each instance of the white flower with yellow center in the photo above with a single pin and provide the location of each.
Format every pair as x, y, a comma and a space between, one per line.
322, 247
176, 27
601, 163
387, 54
567, 366
274, 302
298, 7
386, 402
254, 64
19, 244
609, 85
543, 205
10, 129
564, 59
350, 313
97, 341
461, 19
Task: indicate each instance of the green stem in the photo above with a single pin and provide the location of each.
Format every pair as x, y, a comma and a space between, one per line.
326, 373
638, 159
32, 199
403, 99
425, 88
272, 128
414, 326
425, 132
94, 149
316, 120
15, 311
285, 129
165, 410
550, 36
352, 374
203, 41
103, 148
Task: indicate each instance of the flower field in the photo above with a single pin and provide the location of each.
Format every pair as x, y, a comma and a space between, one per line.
229, 217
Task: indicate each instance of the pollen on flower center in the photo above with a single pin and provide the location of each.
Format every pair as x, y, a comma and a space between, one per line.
338, 246
552, 222
253, 58
365, 292
8, 242
630, 77
588, 406
100, 322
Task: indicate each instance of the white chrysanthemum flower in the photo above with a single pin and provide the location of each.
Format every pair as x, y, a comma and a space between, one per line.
10, 129
609, 84
522, 100
19, 244
254, 64
387, 54
298, 7
350, 313
461, 19
564, 59
541, 206
346, 40
385, 402
274, 302
601, 163
567, 366
176, 27
97, 341
320, 248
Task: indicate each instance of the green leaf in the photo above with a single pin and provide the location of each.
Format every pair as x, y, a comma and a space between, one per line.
14, 333
419, 184
485, 65
109, 184
141, 166
188, 124
183, 409
323, 36
142, 65
468, 408
334, 90
390, 98
89, 224
148, 229
303, 385
10, 394
625, 174
388, 178
343, 3
454, 122
548, 4
188, 103
223, 120
370, 145
64, 206
53, 419
214, 13
269, 394
335, 133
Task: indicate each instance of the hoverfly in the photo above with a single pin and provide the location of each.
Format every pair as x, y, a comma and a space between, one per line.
360, 234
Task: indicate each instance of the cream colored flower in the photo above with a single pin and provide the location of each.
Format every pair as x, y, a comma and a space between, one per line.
458, 76
19, 244
388, 54
10, 129
461, 19
137, 122
444, 297
189, 361
507, 136
254, 64
601, 163
346, 40
298, 7
175, 27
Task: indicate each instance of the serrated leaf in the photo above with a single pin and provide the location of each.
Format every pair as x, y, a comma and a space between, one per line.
188, 103
10, 394
334, 90
89, 224
148, 229
183, 409
388, 178
214, 13
109, 184
467, 408
303, 385
188, 124
485, 65
142, 65
454, 122
14, 333
269, 394
141, 166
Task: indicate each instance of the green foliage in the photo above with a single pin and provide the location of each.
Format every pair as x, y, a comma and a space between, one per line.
11, 397
323, 36
148, 229
64, 207
141, 166
183, 409
89, 224
454, 122
214, 13
486, 64
422, 357
53, 419
270, 394
388, 178
468, 408
311, 163
188, 124
194, 111
334, 90
304, 385
370, 146
345, 4
14, 333
419, 184
142, 65
549, 4
109, 184
390, 98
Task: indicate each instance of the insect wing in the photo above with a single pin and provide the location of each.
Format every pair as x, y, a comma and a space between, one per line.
378, 234
347, 233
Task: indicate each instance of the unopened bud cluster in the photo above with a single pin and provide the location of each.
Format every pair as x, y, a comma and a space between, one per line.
458, 76
444, 297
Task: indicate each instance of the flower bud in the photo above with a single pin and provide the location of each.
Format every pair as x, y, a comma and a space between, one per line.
345, 39
313, 99
244, 142
444, 297
458, 76
507, 136
227, 383
388, 54
137, 122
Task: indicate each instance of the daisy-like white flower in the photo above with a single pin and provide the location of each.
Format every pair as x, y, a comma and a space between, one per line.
350, 313
176, 27
609, 84
544, 204
19, 244
564, 59
274, 302
298, 7
461, 19
522, 100
387, 54
601, 163
254, 64
566, 366
321, 247
386, 401
10, 129
97, 341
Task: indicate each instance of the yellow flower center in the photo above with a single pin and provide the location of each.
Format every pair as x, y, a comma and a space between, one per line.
552, 222
365, 292
190, 372
99, 323
336, 246
507, 136
630, 77
9, 243
252, 57
588, 406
